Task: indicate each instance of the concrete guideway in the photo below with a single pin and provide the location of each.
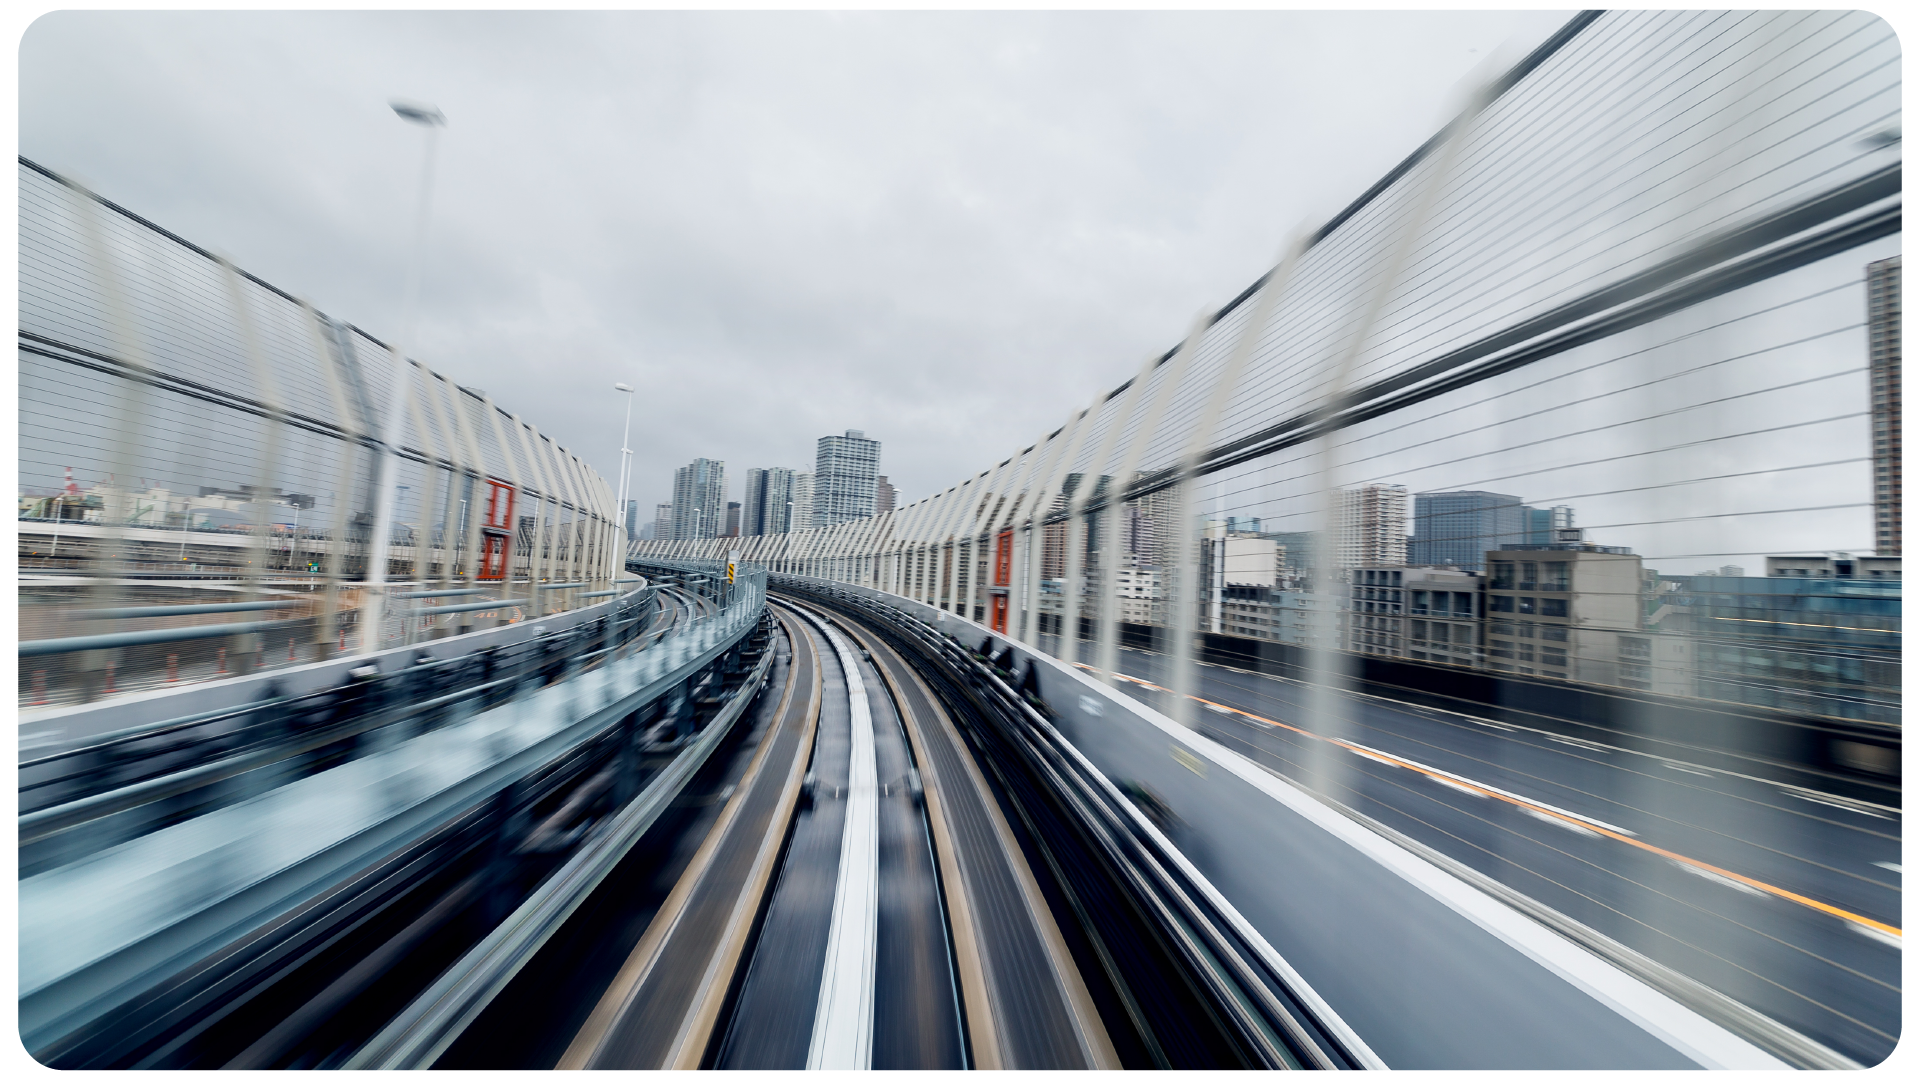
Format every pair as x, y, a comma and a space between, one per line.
1027, 1006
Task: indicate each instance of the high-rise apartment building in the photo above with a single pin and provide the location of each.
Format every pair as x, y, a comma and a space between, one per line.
1883, 362
699, 499
633, 518
1373, 526
663, 521
884, 495
802, 502
733, 520
1455, 528
845, 476
767, 507
1150, 526
754, 498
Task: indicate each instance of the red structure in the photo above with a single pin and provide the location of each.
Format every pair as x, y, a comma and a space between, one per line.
496, 545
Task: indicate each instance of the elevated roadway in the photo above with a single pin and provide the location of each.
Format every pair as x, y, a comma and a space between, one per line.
1762, 896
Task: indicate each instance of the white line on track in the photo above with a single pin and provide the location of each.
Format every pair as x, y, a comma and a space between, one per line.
843, 1017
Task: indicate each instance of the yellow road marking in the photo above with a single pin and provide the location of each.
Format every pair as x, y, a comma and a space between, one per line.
1784, 894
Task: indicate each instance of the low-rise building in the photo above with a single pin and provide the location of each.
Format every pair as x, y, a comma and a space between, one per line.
1834, 566
1284, 615
1446, 621
1417, 612
1558, 611
1815, 645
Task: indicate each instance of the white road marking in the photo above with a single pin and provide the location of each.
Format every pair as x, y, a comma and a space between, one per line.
1581, 743
1837, 804
1560, 822
1880, 936
1711, 876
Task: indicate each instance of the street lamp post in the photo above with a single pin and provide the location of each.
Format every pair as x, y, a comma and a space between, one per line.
374, 611
626, 473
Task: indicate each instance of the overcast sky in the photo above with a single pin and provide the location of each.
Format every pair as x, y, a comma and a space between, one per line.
947, 230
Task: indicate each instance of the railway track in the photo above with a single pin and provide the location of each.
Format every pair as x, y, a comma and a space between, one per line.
835, 918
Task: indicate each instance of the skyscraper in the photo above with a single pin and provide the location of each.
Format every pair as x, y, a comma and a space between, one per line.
753, 498
733, 520
802, 502
663, 521
1883, 362
699, 499
1373, 525
767, 504
633, 518
884, 495
845, 475
1457, 528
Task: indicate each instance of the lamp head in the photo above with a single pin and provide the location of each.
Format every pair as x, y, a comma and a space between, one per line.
623, 388
414, 112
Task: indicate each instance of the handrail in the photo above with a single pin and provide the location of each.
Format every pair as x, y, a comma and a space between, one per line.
54, 646
455, 609
153, 611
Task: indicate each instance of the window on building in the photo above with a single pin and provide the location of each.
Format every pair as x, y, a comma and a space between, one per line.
1526, 605
1503, 575
1550, 655
1463, 633
1556, 609
1524, 653
1419, 630
1524, 630
1499, 603
1463, 603
1635, 647
1503, 627
1529, 575
1556, 578
1553, 633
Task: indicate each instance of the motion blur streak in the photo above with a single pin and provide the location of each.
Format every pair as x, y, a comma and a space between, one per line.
1602, 775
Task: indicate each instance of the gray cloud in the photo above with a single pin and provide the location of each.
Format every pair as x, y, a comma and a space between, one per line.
945, 229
